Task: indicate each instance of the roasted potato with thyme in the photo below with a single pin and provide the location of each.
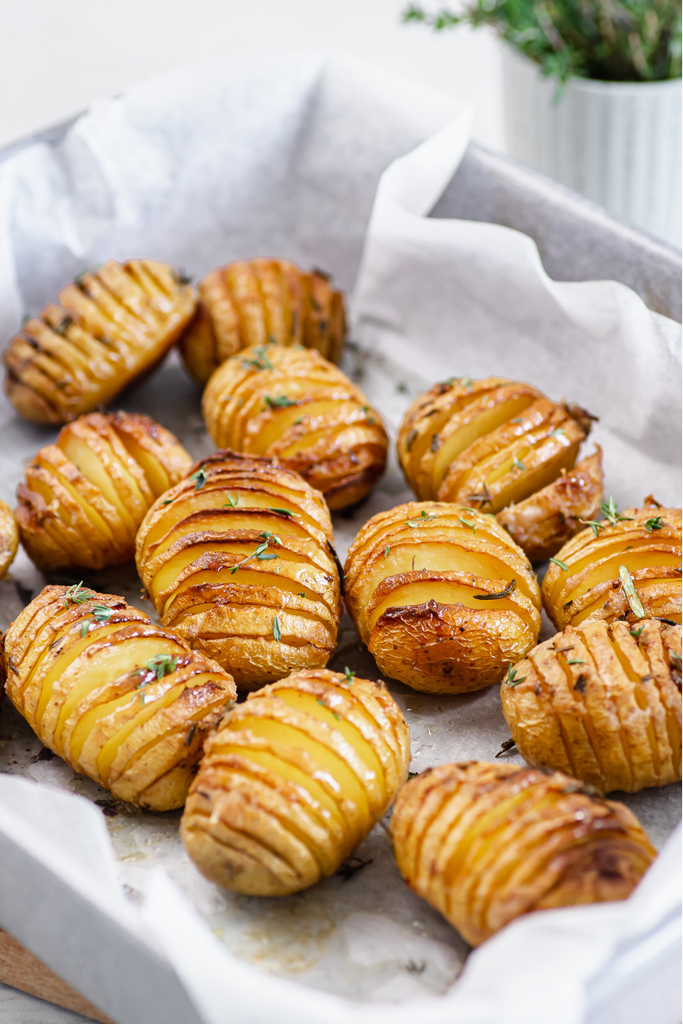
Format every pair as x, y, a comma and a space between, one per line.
86, 495
238, 559
121, 700
626, 565
601, 702
442, 596
485, 843
252, 302
495, 443
293, 781
9, 538
292, 404
110, 326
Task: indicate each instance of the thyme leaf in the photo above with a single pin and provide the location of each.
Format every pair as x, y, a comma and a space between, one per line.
423, 517
496, 597
611, 513
654, 524
279, 402
629, 589
199, 479
512, 679
277, 631
350, 675
284, 512
516, 464
261, 362
561, 564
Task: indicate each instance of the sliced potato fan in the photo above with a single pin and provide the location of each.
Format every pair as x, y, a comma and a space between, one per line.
9, 538
493, 444
625, 565
253, 302
86, 495
601, 702
238, 559
120, 699
442, 596
111, 325
485, 843
292, 404
293, 780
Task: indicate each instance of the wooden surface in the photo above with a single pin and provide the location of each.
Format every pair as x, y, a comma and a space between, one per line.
24, 971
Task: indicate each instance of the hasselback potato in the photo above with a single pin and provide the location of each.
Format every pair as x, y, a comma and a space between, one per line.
484, 843
111, 325
293, 780
626, 565
442, 596
120, 699
9, 538
292, 404
238, 559
252, 302
601, 702
86, 495
496, 443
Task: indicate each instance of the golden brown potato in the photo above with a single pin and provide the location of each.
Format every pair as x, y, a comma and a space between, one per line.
442, 596
252, 302
293, 781
120, 699
9, 538
238, 559
111, 325
86, 495
493, 443
292, 404
601, 702
641, 545
542, 523
485, 843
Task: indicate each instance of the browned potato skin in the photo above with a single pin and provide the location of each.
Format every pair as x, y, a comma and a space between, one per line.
494, 443
153, 765
111, 325
251, 822
230, 615
9, 538
252, 302
652, 557
601, 702
65, 519
329, 433
558, 847
451, 644
542, 523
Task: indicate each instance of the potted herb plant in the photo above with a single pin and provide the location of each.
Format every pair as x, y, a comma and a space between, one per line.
592, 97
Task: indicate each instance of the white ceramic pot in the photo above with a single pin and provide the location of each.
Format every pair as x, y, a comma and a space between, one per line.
618, 143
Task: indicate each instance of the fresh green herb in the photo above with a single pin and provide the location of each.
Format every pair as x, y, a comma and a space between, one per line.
516, 464
512, 679
575, 661
557, 432
101, 612
635, 633
676, 656
610, 512
629, 589
496, 597
161, 665
423, 517
654, 524
277, 632
232, 501
169, 501
261, 362
562, 565
350, 676
268, 536
77, 594
279, 402
594, 525
470, 526
466, 381
302, 593
283, 511
199, 479
387, 550
298, 422
366, 409
84, 629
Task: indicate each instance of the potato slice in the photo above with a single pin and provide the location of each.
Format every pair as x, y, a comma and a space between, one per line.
494, 443
485, 843
646, 541
120, 699
9, 538
292, 404
442, 596
86, 495
111, 325
238, 559
254, 302
293, 780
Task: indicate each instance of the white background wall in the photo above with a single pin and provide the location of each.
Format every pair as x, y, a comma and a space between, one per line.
58, 55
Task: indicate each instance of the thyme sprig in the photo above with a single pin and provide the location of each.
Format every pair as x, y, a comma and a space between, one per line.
611, 513
512, 679
160, 664
424, 516
654, 524
77, 594
279, 402
261, 362
260, 552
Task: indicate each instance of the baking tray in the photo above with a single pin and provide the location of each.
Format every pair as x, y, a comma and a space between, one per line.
577, 241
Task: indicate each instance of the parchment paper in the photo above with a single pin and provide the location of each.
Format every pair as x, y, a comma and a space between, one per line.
213, 164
